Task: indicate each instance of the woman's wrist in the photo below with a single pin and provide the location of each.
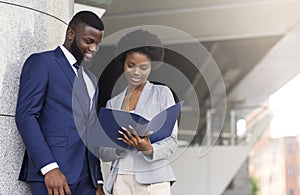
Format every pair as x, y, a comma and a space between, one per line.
148, 153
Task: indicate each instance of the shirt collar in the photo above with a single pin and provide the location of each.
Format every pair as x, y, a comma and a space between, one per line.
71, 59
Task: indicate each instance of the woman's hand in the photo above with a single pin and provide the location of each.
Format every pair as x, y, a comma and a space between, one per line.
134, 140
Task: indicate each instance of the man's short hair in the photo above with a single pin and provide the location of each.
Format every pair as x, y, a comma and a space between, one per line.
87, 17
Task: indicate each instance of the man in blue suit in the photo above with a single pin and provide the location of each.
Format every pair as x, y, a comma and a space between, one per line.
51, 119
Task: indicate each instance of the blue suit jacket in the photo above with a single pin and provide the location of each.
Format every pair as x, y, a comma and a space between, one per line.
45, 117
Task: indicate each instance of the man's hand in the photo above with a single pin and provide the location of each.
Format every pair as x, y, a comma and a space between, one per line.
56, 183
99, 190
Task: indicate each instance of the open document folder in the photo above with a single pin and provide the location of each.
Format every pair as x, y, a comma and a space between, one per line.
161, 124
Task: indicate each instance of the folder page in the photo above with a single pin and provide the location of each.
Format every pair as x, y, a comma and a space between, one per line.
162, 124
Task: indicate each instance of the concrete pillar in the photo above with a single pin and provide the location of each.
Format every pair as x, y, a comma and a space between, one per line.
26, 27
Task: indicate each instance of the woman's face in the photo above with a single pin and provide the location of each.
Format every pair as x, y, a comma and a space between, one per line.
137, 67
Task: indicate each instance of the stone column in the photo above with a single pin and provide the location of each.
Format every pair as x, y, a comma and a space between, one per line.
26, 27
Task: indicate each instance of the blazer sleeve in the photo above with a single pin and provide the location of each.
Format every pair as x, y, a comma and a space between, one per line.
111, 154
32, 92
166, 147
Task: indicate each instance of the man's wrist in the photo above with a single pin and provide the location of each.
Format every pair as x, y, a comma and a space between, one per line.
49, 167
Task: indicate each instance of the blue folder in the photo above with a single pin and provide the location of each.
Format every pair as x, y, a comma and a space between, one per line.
161, 124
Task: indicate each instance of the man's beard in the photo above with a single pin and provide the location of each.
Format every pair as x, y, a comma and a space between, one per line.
76, 52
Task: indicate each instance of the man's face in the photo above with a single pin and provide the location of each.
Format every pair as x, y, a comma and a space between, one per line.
85, 42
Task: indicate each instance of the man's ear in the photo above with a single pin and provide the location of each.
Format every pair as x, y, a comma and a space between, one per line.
70, 34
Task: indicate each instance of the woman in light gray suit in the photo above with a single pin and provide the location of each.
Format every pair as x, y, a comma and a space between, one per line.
146, 169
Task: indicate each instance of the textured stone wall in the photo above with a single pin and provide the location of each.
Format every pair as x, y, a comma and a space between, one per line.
25, 27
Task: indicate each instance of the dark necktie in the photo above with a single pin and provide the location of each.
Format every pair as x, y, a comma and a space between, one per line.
83, 88
76, 65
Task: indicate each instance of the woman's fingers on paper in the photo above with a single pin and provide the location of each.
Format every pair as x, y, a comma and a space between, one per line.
128, 137
137, 140
134, 131
123, 140
148, 133
121, 132
124, 129
125, 137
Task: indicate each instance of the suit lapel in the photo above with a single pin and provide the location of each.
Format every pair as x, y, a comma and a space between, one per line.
95, 96
65, 65
71, 77
120, 100
139, 109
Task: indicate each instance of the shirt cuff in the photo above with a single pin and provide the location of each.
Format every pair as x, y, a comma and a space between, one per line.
49, 167
100, 182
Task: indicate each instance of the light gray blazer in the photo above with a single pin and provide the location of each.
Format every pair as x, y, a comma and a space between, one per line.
148, 170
